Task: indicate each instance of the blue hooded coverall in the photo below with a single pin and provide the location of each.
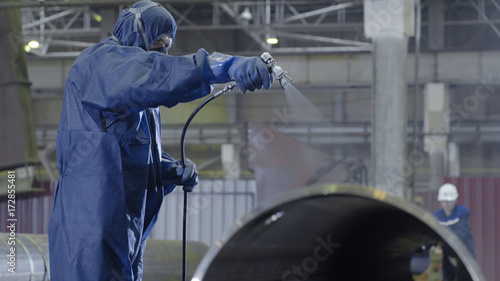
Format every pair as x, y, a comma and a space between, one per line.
112, 180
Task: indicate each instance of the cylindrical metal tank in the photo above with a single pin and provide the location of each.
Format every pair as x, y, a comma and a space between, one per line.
162, 259
330, 232
26, 257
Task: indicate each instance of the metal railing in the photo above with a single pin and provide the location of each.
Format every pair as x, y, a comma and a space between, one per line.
311, 133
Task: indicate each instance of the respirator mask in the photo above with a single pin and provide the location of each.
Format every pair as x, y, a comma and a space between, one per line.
162, 44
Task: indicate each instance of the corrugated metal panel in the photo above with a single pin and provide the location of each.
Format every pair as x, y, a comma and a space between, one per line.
427, 200
32, 211
482, 197
212, 208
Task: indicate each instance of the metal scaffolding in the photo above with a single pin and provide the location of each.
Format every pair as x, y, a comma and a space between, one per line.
64, 28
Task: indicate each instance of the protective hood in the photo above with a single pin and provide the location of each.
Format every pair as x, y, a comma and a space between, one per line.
156, 19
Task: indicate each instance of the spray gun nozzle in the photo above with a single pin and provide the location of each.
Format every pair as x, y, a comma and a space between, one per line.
277, 72
285, 80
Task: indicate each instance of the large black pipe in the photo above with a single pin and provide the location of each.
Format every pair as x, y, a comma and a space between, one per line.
330, 232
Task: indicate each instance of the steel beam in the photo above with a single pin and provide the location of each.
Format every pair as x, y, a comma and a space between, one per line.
252, 34
494, 2
307, 37
49, 18
318, 12
296, 13
182, 17
63, 33
69, 43
34, 4
481, 11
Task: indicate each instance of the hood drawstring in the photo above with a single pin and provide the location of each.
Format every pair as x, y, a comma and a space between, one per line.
138, 24
114, 38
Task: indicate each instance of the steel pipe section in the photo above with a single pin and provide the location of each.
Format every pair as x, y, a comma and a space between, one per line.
162, 258
25, 257
330, 232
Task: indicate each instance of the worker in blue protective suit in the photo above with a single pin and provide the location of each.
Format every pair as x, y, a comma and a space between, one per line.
113, 173
456, 217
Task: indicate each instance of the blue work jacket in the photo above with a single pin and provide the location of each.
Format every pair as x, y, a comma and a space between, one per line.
109, 157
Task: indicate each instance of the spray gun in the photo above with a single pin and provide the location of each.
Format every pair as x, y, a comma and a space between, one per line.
278, 74
276, 70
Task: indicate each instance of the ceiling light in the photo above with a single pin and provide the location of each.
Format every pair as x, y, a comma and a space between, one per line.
33, 44
272, 40
246, 15
96, 16
27, 48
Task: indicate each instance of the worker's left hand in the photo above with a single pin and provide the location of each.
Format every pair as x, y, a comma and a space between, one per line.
174, 173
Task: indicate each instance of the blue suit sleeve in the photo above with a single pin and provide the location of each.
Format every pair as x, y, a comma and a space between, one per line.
463, 230
124, 80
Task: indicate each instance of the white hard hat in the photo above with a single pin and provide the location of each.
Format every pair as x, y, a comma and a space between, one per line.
447, 192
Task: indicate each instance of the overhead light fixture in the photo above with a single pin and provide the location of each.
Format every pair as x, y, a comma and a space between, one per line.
27, 48
33, 44
271, 39
96, 16
246, 15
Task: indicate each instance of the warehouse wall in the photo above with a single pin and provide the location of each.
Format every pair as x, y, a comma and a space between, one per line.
319, 78
213, 208
315, 75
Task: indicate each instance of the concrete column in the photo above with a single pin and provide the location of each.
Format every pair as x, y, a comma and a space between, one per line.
389, 23
230, 156
389, 113
436, 127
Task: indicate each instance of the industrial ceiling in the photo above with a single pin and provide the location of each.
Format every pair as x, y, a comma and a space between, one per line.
64, 28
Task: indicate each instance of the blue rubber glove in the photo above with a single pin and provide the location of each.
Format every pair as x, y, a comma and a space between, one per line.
249, 73
174, 173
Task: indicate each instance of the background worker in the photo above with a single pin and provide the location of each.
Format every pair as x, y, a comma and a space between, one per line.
456, 217
113, 173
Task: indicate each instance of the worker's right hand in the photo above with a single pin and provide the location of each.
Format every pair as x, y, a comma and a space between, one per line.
250, 73
175, 173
